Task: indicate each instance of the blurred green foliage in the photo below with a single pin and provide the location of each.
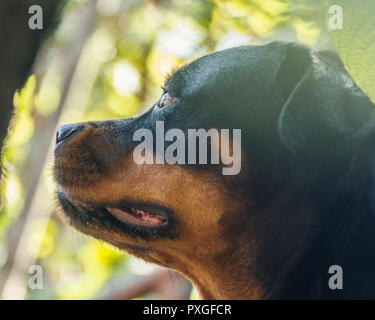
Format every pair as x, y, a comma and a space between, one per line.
355, 42
121, 68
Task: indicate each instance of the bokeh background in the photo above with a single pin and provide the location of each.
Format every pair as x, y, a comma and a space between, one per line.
107, 59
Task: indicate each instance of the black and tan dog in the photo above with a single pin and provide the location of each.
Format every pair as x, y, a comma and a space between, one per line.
303, 201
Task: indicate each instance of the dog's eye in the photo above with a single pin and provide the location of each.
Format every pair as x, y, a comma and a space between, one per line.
165, 100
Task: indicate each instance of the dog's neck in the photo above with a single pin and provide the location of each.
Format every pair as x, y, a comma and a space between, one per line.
296, 240
229, 279
284, 269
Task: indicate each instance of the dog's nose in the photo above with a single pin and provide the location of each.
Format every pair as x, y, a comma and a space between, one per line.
67, 130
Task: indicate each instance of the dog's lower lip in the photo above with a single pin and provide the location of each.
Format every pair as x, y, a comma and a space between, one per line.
138, 217
144, 215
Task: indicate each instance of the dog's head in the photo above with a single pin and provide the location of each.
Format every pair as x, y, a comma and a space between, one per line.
301, 119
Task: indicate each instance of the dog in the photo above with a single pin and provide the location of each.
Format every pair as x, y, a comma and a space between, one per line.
301, 206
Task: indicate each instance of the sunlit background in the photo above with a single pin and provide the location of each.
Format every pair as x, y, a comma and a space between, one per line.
108, 59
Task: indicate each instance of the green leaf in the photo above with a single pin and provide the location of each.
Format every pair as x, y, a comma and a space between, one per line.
355, 41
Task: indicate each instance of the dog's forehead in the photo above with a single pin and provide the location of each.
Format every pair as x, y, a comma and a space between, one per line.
227, 68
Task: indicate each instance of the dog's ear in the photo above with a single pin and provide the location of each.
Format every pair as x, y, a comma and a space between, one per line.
324, 113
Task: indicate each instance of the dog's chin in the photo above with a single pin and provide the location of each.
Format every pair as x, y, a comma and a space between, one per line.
129, 221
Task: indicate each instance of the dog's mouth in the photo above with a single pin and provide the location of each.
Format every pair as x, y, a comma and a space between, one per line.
138, 217
142, 220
